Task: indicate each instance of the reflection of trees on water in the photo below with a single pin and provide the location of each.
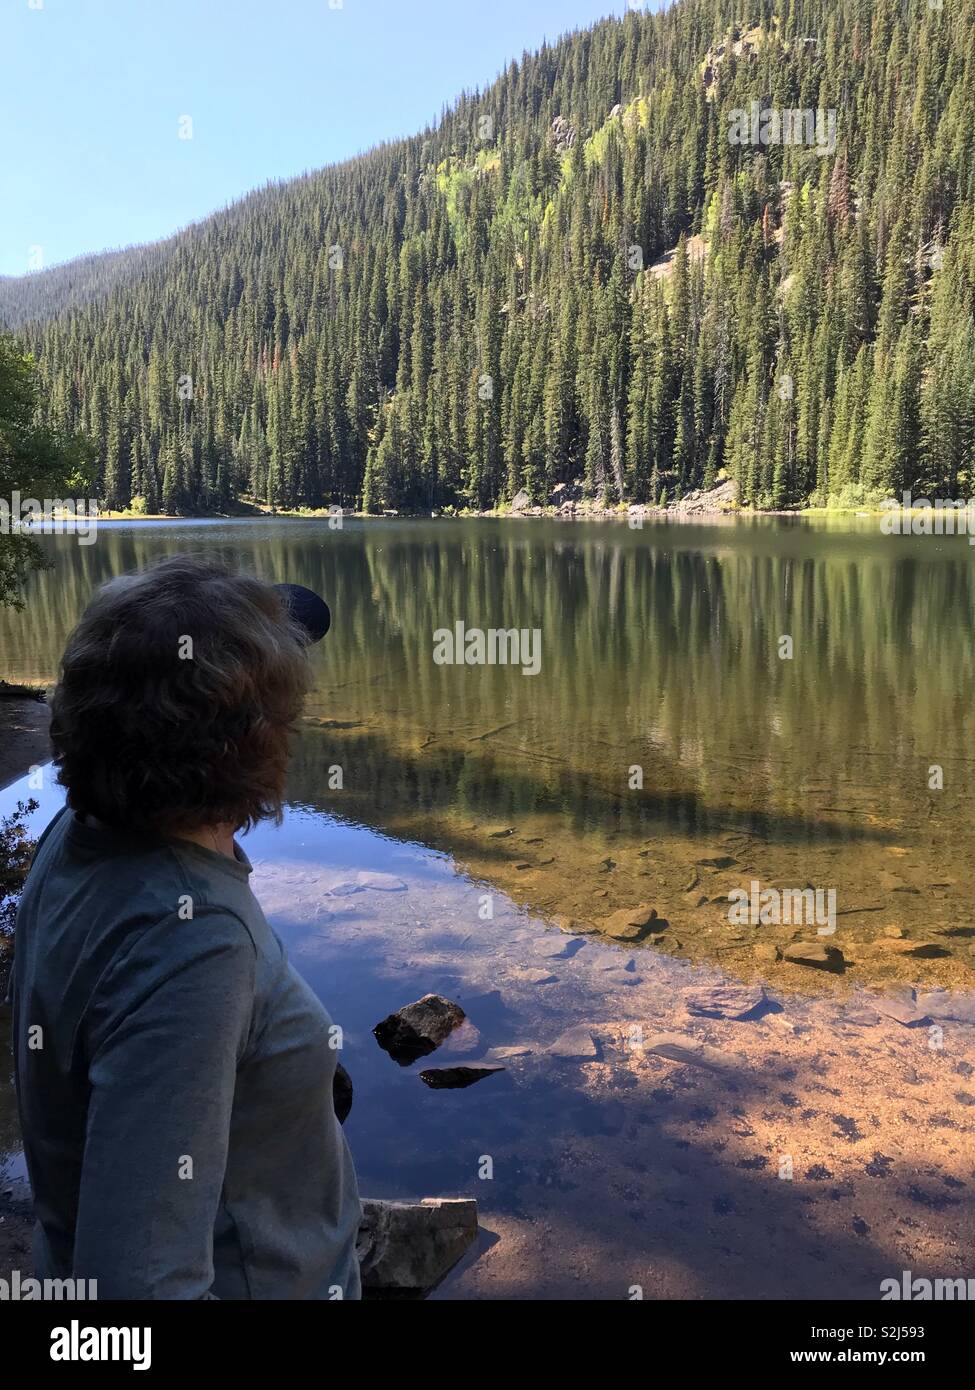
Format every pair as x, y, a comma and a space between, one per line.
659, 649
384, 783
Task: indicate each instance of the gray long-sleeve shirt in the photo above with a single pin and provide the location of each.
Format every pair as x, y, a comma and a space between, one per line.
174, 1077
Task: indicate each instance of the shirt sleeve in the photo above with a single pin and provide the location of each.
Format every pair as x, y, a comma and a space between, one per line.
165, 1040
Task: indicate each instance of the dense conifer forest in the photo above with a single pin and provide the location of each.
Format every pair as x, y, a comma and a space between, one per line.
728, 238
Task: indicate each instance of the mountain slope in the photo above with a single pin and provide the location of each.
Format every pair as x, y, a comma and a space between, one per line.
452, 318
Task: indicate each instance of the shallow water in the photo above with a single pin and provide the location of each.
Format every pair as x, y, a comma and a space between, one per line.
830, 1149
660, 663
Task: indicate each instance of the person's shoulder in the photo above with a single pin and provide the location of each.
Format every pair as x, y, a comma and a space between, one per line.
198, 971
52, 835
211, 948
196, 930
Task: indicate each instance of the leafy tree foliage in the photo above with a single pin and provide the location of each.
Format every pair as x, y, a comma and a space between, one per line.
35, 459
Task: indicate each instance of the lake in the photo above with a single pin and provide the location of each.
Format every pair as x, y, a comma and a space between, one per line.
806, 1151
666, 752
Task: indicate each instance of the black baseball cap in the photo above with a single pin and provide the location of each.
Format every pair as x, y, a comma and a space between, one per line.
307, 609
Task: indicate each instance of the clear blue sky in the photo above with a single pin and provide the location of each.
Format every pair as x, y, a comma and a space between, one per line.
92, 92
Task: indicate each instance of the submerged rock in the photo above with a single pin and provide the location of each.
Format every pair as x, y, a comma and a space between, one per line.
678, 1047
727, 1001
419, 1028
575, 1043
717, 860
344, 889
633, 923
406, 1248
622, 977
941, 1003
455, 1078
538, 977
903, 1011
920, 950
381, 883
815, 954
573, 926
557, 947
464, 1038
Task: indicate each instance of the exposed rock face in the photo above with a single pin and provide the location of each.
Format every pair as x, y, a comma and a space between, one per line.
563, 134
719, 499
419, 1028
817, 955
521, 501
456, 1078
406, 1248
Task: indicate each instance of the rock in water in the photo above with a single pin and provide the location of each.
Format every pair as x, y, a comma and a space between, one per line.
406, 1248
922, 950
942, 1003
817, 955
622, 977
576, 1043
381, 883
633, 923
345, 889
727, 1001
573, 926
557, 947
454, 1078
419, 1028
903, 1011
678, 1047
716, 860
342, 1093
464, 1041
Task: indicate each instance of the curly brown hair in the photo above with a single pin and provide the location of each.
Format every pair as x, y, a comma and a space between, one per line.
178, 692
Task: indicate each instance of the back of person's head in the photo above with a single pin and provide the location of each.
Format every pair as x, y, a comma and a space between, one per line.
178, 691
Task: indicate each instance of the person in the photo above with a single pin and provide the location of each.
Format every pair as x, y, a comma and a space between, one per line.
174, 1073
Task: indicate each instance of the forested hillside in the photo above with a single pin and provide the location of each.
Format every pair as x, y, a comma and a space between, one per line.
487, 307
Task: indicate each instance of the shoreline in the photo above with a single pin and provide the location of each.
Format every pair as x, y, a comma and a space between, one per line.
581, 512
546, 513
24, 739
